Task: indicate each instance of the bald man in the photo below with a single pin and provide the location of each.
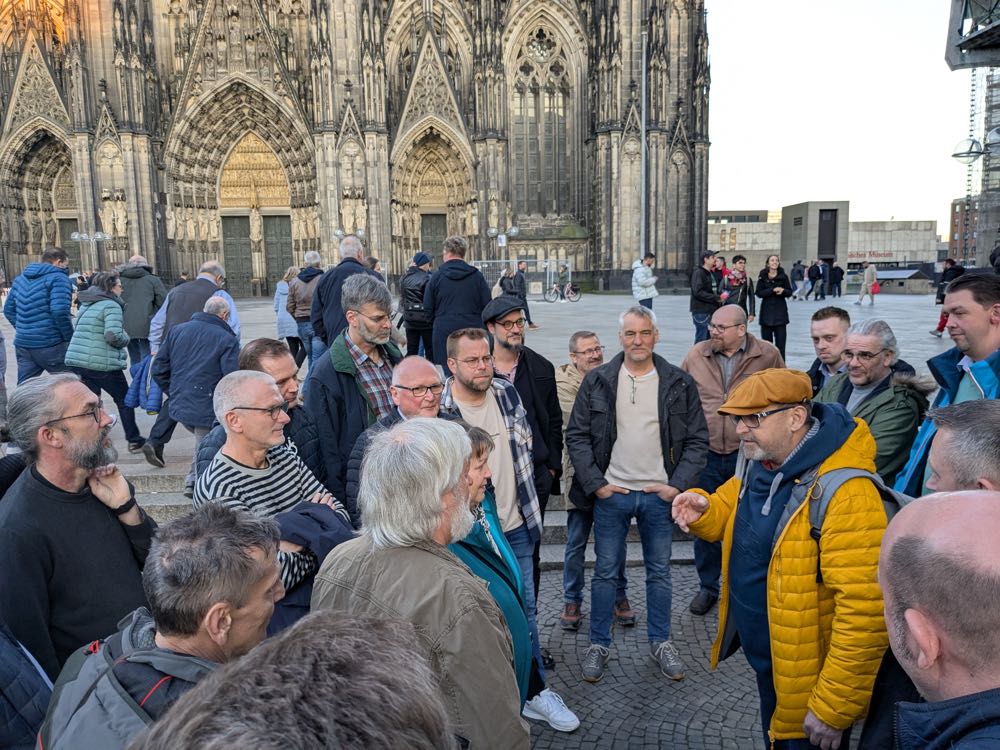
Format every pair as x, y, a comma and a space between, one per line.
416, 392
940, 576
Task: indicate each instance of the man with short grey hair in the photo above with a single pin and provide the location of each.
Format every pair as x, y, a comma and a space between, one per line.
73, 542
300, 296
965, 454
143, 294
414, 497
326, 310
211, 579
881, 389
349, 388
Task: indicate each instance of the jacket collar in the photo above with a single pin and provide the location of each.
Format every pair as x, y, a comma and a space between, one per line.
942, 724
344, 362
947, 372
214, 320
608, 372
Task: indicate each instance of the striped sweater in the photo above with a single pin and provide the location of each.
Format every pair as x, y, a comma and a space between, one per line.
284, 483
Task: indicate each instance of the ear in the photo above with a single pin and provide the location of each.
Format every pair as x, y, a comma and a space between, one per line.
233, 422
987, 484
217, 622
51, 436
923, 633
995, 314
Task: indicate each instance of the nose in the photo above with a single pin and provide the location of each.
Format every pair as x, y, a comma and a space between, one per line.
283, 418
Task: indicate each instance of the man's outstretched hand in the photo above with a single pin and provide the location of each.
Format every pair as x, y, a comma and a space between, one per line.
687, 508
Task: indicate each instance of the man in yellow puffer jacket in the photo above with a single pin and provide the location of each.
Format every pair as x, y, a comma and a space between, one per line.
807, 612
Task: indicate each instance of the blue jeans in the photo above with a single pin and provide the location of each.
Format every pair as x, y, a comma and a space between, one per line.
701, 321
768, 702
708, 555
32, 362
578, 525
524, 549
137, 350
656, 529
306, 337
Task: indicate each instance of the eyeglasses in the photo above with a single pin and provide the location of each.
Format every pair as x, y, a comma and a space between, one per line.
847, 355
721, 328
419, 391
94, 413
377, 320
477, 362
753, 420
591, 352
272, 411
509, 324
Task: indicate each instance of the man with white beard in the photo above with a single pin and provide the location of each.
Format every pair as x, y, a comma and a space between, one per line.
414, 498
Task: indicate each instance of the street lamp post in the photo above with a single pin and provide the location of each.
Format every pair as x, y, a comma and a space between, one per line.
500, 238
95, 241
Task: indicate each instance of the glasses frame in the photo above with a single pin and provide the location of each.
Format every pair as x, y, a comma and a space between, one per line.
376, 321
477, 361
94, 413
273, 411
722, 328
420, 391
868, 356
509, 325
591, 351
739, 418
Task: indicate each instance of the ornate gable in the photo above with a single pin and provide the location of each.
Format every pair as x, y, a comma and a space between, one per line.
349, 127
430, 94
35, 91
107, 128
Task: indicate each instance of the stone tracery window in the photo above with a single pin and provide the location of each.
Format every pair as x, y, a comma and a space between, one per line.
540, 99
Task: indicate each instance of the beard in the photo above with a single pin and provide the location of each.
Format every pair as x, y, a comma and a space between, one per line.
511, 346
717, 345
481, 386
372, 335
462, 521
755, 452
90, 456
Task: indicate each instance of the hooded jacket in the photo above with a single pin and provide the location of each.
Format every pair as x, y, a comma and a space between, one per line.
826, 639
143, 294
454, 298
643, 283
327, 315
971, 722
99, 340
300, 293
38, 306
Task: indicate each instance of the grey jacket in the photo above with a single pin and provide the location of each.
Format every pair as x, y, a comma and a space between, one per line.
143, 294
457, 620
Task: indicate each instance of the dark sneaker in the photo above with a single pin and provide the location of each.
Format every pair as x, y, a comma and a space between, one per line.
703, 602
136, 447
624, 615
935, 332
667, 658
153, 454
548, 660
189, 492
594, 662
570, 617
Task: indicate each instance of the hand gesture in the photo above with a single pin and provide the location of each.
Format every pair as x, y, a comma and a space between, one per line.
779, 290
687, 508
750, 318
820, 734
665, 492
608, 490
109, 486
323, 497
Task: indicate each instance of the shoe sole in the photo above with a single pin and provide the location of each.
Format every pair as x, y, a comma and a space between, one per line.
153, 459
528, 713
626, 622
570, 627
137, 449
678, 678
592, 679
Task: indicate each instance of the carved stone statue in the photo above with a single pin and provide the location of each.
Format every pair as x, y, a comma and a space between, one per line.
347, 212
107, 214
494, 213
192, 233
256, 225
50, 229
203, 230
120, 217
397, 228
474, 231
171, 222
213, 226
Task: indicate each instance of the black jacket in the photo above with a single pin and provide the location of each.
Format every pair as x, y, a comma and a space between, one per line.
143, 294
593, 429
454, 298
836, 274
703, 296
535, 381
411, 298
520, 286
773, 307
948, 276
327, 315
24, 694
815, 273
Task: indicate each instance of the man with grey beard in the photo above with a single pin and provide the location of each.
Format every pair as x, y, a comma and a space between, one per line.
73, 542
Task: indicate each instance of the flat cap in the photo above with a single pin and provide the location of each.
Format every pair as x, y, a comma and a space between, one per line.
421, 259
768, 388
500, 306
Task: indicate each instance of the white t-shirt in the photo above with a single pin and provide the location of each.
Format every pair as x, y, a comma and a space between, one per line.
637, 456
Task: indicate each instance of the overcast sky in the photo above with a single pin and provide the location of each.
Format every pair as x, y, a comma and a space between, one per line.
847, 100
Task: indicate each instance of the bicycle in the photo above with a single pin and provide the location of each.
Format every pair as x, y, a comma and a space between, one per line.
570, 290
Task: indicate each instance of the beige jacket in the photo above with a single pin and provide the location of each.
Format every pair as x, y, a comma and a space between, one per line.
871, 275
457, 621
703, 366
568, 380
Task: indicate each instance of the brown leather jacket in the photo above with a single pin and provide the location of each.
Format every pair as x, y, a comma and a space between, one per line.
702, 365
300, 297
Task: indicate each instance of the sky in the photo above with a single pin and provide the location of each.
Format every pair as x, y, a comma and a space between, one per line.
844, 100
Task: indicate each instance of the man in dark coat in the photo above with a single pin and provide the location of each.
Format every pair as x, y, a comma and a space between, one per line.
836, 280
328, 318
521, 290
143, 294
419, 324
455, 297
704, 300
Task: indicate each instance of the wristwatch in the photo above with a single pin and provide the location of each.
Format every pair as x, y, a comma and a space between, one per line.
124, 508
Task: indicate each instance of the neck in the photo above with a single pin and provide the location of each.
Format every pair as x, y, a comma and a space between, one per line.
244, 452
465, 395
370, 349
195, 645
505, 356
207, 277
639, 368
981, 353
63, 475
729, 352
583, 373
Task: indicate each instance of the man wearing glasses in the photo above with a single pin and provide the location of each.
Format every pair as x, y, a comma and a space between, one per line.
416, 392
718, 365
73, 542
256, 471
881, 389
804, 605
637, 437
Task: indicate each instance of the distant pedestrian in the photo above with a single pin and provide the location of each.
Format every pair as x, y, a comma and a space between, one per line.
182, 277
798, 279
519, 288
773, 285
704, 300
643, 281
375, 266
327, 315
951, 271
287, 328
868, 281
419, 323
815, 276
719, 272
38, 307
563, 281
824, 278
836, 280
300, 297
143, 294
737, 288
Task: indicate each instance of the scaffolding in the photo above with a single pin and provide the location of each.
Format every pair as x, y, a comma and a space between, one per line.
987, 224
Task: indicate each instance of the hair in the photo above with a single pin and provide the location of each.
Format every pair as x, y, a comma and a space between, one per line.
984, 287
738, 258
372, 262
202, 559
949, 261
472, 334
216, 306
312, 258
642, 312
54, 255
647, 256
185, 273
768, 260
363, 289
480, 439
456, 245
878, 328
958, 593
105, 280
31, 405
574, 340
825, 313
351, 246
228, 393
213, 267
138, 260
258, 349
974, 440
332, 680
290, 273
721, 257
404, 474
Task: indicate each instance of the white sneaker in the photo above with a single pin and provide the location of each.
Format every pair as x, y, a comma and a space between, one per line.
548, 706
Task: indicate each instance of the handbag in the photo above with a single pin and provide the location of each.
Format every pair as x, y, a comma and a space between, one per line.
876, 287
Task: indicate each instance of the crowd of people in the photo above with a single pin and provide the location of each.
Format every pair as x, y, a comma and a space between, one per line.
370, 535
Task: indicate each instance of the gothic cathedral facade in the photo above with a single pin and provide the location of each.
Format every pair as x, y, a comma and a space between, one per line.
255, 130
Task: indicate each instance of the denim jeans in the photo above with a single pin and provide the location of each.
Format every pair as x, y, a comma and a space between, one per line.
701, 321
199, 435
768, 702
114, 384
306, 337
33, 362
656, 528
708, 555
523, 547
137, 350
578, 525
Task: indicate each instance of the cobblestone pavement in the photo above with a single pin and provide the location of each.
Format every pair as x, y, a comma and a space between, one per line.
634, 706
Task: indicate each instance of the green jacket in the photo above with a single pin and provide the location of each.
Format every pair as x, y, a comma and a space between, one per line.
893, 413
99, 339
